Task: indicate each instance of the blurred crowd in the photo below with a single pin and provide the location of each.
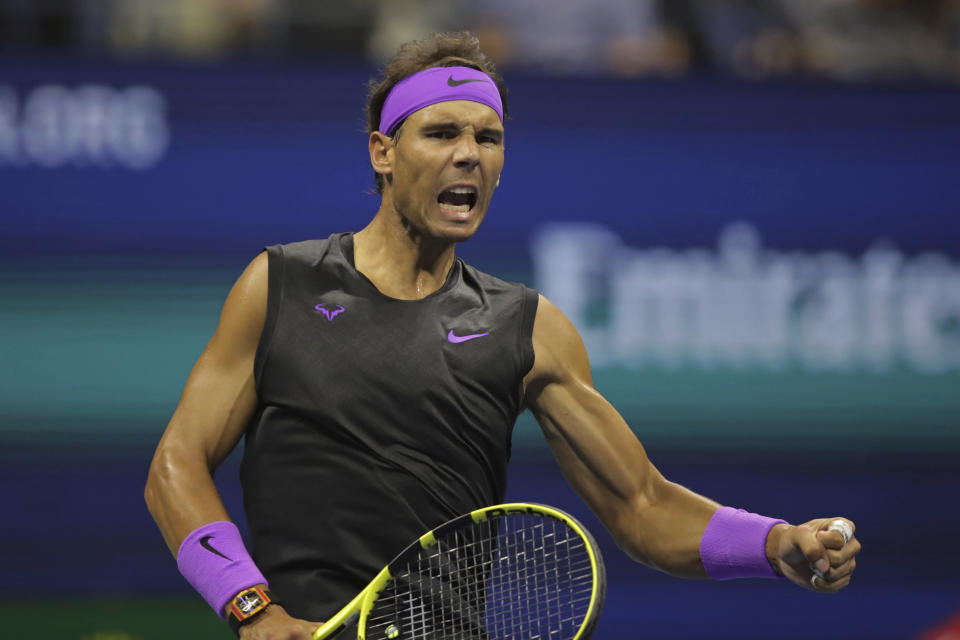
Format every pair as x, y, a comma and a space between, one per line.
845, 39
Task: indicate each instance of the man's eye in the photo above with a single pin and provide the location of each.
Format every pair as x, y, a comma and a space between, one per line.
443, 135
487, 140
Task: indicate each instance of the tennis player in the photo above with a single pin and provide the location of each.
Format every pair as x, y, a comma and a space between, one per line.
376, 379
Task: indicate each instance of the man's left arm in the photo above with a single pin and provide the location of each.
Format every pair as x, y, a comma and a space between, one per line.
655, 521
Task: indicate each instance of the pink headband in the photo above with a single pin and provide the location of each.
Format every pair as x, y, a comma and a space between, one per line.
438, 84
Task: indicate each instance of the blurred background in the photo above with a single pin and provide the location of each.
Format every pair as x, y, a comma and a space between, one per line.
748, 207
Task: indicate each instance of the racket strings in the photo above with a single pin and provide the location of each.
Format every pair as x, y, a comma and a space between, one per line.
517, 577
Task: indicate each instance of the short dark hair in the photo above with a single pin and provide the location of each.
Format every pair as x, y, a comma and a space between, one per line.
459, 49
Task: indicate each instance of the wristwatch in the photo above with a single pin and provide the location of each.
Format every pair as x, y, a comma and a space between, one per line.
248, 604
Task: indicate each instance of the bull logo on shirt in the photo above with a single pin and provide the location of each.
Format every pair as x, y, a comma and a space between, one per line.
328, 313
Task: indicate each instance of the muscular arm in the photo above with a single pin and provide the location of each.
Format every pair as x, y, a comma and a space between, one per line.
655, 521
216, 405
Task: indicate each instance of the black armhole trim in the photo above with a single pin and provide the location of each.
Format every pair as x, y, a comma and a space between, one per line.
274, 298
530, 301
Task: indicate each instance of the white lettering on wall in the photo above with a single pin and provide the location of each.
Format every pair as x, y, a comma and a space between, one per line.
54, 126
746, 307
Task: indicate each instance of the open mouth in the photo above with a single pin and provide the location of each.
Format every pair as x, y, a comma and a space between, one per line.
458, 199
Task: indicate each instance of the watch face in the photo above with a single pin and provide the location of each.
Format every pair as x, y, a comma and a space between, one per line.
247, 602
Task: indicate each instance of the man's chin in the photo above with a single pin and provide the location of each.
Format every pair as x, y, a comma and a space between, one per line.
445, 230
455, 232
459, 235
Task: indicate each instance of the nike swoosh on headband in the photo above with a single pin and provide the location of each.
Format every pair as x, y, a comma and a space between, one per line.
205, 543
456, 83
458, 339
437, 84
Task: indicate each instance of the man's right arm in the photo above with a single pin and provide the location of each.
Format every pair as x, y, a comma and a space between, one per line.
217, 403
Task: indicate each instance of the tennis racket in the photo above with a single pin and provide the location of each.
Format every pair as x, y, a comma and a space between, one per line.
516, 571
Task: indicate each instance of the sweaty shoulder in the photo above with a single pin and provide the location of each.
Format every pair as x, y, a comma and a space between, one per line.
244, 312
559, 353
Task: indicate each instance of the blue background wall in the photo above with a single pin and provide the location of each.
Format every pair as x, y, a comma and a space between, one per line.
112, 276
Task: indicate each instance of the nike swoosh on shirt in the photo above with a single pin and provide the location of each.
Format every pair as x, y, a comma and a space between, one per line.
205, 543
456, 83
457, 339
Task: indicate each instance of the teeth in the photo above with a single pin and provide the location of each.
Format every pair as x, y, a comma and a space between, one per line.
463, 190
462, 208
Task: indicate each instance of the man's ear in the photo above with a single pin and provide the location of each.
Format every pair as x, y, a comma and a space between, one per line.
381, 153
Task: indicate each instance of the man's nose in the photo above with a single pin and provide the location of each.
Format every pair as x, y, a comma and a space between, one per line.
466, 152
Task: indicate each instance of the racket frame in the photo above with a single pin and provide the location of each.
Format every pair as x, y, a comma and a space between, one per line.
362, 603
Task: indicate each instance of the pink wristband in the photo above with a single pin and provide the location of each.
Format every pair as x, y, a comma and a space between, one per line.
213, 559
734, 545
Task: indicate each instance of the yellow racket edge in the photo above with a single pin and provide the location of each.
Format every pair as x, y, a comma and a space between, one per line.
597, 594
363, 602
359, 606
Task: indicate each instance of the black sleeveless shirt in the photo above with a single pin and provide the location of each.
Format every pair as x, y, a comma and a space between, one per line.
379, 418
